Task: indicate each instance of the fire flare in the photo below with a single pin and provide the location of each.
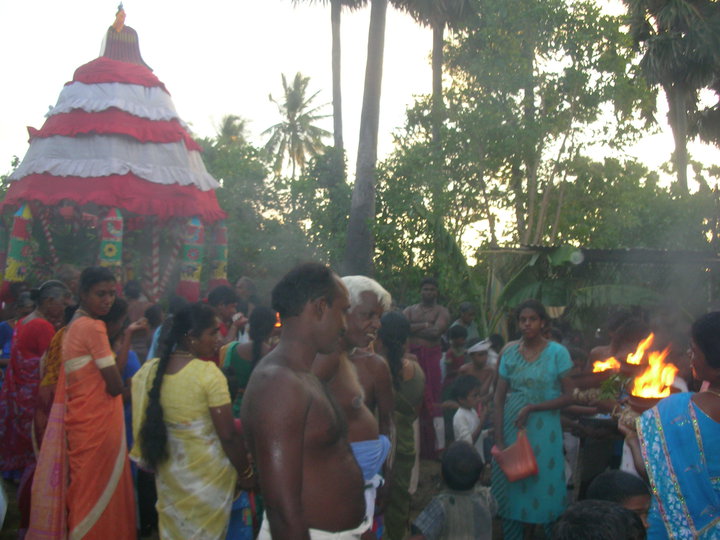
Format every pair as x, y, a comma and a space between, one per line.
657, 379
636, 357
605, 365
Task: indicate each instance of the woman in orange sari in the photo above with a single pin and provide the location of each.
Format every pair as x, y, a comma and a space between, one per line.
83, 487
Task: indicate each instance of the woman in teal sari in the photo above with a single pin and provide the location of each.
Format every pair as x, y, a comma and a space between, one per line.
532, 388
676, 447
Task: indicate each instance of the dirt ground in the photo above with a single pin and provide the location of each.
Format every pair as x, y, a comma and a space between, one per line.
428, 485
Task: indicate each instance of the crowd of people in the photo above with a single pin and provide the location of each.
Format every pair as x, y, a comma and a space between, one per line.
308, 417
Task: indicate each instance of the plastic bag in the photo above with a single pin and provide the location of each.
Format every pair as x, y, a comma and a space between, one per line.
517, 461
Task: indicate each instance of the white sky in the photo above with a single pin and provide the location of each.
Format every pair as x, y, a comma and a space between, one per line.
220, 57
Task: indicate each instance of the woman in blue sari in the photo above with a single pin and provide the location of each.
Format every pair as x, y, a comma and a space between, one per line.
676, 446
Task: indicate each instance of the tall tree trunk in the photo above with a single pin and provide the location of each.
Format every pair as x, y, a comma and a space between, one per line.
677, 98
530, 157
360, 245
335, 9
437, 73
516, 183
558, 213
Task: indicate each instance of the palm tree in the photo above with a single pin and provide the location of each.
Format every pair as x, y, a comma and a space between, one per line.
438, 14
335, 11
232, 130
680, 40
296, 137
359, 241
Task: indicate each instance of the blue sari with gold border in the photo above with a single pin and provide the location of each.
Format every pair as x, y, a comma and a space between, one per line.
680, 444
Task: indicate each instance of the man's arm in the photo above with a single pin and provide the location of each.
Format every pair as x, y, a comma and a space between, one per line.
278, 418
416, 327
434, 331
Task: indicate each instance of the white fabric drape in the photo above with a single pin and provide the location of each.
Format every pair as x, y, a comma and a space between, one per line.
91, 156
152, 103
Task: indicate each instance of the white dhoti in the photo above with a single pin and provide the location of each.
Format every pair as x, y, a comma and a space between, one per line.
317, 534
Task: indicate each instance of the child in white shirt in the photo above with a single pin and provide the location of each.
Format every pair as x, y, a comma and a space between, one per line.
468, 421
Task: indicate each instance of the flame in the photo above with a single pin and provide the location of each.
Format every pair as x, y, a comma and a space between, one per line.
656, 380
636, 357
605, 365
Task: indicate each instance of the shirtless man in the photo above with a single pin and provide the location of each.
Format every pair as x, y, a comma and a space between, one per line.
368, 302
428, 322
359, 381
311, 484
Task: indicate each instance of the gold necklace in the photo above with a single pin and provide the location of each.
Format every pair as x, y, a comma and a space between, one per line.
714, 392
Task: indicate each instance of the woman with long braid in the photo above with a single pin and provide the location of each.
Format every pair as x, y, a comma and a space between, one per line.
184, 430
409, 383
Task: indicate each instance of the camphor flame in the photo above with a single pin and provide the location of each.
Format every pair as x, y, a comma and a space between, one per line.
656, 380
636, 357
604, 365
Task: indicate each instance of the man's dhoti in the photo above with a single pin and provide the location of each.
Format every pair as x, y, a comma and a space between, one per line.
316, 534
429, 360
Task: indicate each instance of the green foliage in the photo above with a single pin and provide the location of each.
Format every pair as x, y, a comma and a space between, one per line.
260, 244
319, 203
275, 223
4, 184
611, 204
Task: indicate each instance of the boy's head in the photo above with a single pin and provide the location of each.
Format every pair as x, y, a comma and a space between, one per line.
457, 335
478, 352
466, 391
598, 520
461, 466
224, 299
467, 313
623, 488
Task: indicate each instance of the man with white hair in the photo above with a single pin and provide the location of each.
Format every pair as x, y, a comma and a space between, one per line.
360, 381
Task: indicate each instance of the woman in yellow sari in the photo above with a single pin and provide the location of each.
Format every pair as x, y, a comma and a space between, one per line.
184, 430
82, 486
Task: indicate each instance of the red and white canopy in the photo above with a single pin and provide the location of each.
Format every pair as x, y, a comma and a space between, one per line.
115, 139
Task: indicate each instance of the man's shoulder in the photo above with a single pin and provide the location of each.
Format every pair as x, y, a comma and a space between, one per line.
276, 372
369, 359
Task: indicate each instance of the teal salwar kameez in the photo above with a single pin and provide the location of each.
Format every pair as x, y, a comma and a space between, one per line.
538, 499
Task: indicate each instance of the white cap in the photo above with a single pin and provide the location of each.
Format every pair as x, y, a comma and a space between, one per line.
480, 347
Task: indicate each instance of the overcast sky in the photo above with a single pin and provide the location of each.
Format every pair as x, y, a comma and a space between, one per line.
218, 57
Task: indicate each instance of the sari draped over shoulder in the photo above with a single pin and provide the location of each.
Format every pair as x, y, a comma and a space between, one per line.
82, 486
196, 483
49, 373
685, 482
19, 392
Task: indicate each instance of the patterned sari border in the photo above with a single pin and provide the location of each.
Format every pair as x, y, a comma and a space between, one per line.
87, 523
